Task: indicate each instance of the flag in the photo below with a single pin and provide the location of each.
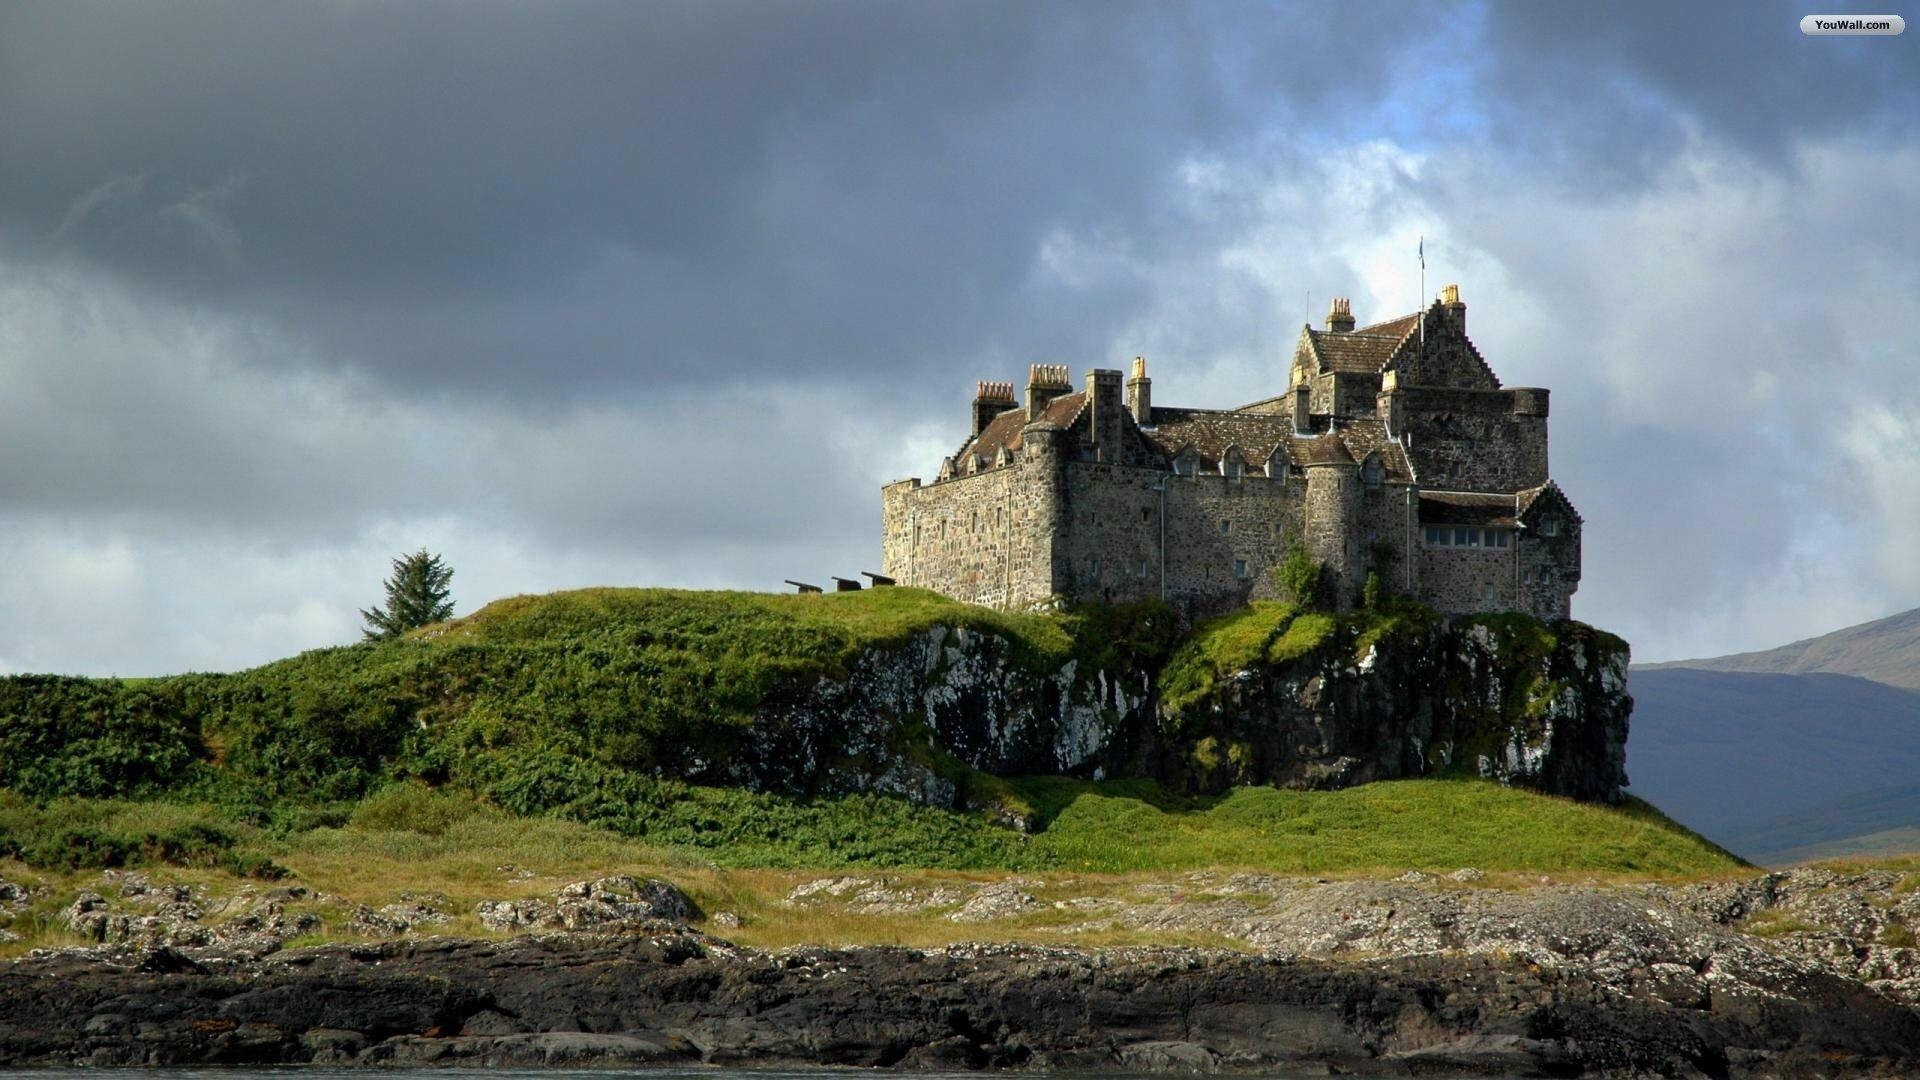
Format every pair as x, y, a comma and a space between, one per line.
1423, 252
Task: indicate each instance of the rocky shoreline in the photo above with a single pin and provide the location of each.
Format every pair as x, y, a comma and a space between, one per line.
1781, 974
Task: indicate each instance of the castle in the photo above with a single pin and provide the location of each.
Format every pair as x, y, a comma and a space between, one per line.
1394, 452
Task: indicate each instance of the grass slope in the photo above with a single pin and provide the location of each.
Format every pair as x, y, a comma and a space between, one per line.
539, 722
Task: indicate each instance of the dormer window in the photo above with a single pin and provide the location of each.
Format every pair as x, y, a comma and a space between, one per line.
1185, 463
1550, 526
1372, 472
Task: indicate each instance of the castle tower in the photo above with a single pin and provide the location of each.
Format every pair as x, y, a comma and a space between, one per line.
1330, 514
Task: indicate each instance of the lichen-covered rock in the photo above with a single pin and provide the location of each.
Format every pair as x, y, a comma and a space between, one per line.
604, 904
1500, 697
965, 694
141, 914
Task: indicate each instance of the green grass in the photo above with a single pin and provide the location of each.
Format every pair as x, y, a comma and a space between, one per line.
635, 682
1419, 824
1113, 827
1219, 648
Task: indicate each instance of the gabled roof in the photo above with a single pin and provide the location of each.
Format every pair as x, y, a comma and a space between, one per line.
1547, 495
1363, 351
1004, 429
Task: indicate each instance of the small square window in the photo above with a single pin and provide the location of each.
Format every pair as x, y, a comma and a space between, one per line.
1240, 569
1460, 536
1226, 527
1140, 568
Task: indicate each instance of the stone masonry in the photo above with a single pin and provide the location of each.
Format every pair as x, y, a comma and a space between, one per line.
1394, 451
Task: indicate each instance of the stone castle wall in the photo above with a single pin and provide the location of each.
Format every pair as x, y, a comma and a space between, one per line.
985, 538
1475, 440
1223, 535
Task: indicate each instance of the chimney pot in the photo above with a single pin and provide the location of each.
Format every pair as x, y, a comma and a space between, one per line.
1340, 315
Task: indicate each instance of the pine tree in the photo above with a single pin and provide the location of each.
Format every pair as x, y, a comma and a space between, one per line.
416, 596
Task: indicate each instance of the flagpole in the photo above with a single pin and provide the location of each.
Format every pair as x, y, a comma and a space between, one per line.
1422, 249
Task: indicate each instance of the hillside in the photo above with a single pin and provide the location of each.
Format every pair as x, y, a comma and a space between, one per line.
1768, 764
1885, 651
1804, 751
889, 727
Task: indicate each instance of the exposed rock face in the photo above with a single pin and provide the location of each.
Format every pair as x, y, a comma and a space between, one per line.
1510, 701
1502, 699
599, 999
1786, 974
963, 691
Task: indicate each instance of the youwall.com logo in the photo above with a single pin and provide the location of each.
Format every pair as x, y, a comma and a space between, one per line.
1825, 25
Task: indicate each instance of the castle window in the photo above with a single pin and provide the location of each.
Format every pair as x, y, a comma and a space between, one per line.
1550, 527
1372, 472
1240, 569
1146, 513
1465, 536
1183, 465
1226, 527
1231, 468
1139, 568
1093, 569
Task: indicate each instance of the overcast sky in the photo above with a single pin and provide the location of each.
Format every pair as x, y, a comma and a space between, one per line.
660, 293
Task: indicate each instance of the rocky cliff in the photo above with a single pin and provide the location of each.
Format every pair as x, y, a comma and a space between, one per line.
1317, 702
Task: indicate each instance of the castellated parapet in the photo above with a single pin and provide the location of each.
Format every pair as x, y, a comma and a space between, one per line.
1391, 452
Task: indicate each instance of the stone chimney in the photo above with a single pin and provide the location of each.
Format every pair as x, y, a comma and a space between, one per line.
1104, 406
1302, 406
1044, 383
1340, 316
990, 399
1140, 393
1456, 308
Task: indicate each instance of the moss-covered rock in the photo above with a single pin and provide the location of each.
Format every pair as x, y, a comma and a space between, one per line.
1398, 692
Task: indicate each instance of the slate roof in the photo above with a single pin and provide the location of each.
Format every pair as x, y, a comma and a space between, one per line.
1004, 429
1549, 492
1467, 508
1362, 351
1211, 432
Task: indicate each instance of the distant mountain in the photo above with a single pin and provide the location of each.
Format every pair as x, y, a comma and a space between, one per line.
1771, 765
1885, 650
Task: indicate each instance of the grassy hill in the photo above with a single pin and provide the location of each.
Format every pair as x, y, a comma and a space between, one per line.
568, 708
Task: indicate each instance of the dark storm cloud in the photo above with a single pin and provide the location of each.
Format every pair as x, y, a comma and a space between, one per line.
1602, 94
556, 199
